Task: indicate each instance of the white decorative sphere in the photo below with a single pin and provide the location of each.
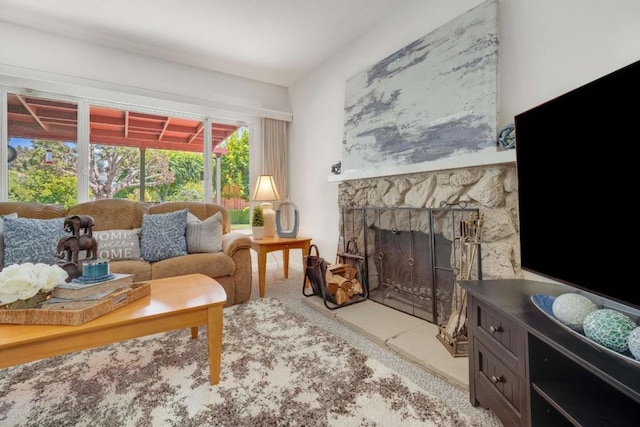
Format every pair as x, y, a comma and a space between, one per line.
609, 328
572, 308
634, 342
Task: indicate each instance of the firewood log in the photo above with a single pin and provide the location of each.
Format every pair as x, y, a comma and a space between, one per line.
350, 273
346, 286
335, 278
337, 268
356, 287
332, 287
341, 297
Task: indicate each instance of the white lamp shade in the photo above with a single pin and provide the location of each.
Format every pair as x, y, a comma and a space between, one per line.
265, 190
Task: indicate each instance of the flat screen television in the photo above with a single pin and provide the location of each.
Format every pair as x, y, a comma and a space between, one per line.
578, 180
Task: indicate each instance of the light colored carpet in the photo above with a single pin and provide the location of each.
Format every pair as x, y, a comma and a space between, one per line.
289, 292
283, 364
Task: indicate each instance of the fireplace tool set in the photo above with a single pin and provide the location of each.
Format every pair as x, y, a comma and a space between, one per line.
454, 334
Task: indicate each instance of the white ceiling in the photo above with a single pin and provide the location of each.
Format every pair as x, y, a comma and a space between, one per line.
275, 41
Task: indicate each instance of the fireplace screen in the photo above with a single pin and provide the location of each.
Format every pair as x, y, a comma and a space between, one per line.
412, 256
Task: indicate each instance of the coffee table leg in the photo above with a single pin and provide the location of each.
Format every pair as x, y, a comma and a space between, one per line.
214, 338
194, 332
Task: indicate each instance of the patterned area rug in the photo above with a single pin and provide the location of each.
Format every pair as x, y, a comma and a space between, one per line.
277, 370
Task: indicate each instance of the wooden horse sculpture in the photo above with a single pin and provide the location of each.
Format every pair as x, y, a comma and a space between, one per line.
72, 245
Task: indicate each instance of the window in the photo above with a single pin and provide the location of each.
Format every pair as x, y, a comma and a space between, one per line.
137, 155
146, 157
42, 155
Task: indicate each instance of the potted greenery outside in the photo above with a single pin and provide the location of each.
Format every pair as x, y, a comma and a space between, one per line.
257, 223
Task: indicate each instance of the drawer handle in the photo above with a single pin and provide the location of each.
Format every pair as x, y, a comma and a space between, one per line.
495, 329
497, 380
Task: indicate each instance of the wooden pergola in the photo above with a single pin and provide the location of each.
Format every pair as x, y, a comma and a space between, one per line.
39, 118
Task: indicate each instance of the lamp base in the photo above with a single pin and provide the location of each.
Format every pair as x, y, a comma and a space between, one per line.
269, 219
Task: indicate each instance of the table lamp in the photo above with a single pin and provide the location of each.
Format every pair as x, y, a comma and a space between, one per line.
267, 192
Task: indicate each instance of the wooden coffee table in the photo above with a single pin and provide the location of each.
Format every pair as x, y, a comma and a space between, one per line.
177, 302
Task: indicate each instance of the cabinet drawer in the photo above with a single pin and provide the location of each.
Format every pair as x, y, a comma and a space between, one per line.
502, 335
499, 388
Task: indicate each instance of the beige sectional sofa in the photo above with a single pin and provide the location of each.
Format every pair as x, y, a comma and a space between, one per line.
231, 267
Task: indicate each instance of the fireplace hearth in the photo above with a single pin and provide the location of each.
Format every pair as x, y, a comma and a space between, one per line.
411, 256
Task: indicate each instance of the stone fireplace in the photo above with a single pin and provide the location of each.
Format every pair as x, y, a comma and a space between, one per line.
405, 225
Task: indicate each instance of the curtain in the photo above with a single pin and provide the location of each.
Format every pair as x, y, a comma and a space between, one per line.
274, 153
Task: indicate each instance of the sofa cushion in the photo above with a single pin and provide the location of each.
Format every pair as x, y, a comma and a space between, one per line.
33, 210
32, 240
11, 215
118, 244
141, 270
199, 209
163, 235
204, 236
112, 214
213, 265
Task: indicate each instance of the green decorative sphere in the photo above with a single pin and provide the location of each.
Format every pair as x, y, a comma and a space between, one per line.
609, 328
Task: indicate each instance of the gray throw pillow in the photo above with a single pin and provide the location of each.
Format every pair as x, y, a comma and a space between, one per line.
163, 235
32, 240
204, 236
118, 244
11, 215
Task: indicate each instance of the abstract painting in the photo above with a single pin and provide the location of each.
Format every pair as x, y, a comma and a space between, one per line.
436, 98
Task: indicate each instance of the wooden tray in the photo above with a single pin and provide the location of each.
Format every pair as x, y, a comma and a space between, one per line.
77, 316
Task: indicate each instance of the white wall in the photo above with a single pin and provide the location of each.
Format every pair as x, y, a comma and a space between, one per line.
56, 60
547, 47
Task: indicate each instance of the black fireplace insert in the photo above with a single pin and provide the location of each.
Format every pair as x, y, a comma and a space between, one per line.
412, 256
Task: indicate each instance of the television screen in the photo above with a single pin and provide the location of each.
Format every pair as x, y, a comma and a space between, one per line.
577, 186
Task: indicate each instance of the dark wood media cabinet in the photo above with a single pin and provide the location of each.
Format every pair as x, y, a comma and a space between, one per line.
531, 372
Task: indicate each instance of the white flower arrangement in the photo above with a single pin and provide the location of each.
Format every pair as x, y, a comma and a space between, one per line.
23, 281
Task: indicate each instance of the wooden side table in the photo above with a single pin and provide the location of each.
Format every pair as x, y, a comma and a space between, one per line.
284, 244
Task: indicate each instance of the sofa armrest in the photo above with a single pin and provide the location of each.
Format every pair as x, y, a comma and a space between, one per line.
233, 241
238, 247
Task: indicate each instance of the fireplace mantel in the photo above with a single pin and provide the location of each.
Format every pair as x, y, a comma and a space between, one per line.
487, 157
